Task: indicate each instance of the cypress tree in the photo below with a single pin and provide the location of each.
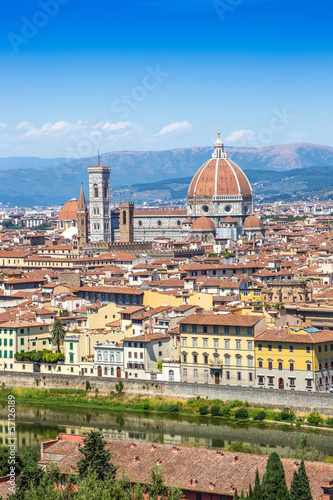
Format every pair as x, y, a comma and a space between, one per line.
95, 457
274, 486
300, 488
242, 496
250, 494
256, 494
235, 495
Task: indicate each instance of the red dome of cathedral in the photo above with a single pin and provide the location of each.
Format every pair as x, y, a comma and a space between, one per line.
252, 222
202, 224
219, 176
69, 210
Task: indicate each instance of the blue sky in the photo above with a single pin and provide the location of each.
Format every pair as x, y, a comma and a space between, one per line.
78, 75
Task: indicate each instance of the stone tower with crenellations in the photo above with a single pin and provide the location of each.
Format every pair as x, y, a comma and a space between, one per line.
126, 225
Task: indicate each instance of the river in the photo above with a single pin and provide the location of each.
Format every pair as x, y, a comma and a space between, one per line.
36, 423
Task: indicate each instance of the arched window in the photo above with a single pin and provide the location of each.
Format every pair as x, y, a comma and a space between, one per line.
112, 356
95, 226
106, 370
105, 191
105, 356
171, 375
94, 210
118, 356
95, 191
112, 371
99, 356
124, 217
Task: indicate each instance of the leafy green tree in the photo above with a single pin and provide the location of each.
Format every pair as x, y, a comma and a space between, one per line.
157, 490
57, 332
300, 488
95, 457
5, 465
274, 486
30, 479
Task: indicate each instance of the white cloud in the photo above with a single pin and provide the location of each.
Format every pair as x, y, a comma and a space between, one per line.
3, 126
240, 136
176, 127
113, 127
297, 135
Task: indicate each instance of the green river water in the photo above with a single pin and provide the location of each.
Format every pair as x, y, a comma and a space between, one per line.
36, 423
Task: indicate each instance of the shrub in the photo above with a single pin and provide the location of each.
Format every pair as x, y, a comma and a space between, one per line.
242, 413
173, 408
203, 409
314, 418
287, 415
146, 405
119, 387
235, 403
215, 411
40, 356
159, 365
259, 415
329, 421
88, 386
225, 412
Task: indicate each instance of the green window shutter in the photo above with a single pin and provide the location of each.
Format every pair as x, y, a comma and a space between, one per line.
71, 346
5, 354
10, 341
22, 341
44, 342
71, 358
5, 342
10, 354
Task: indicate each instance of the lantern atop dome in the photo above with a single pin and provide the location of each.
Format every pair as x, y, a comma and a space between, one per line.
218, 147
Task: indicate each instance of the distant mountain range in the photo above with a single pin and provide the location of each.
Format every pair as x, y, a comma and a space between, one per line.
275, 172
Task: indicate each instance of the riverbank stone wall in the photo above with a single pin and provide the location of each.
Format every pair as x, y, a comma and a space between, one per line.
300, 400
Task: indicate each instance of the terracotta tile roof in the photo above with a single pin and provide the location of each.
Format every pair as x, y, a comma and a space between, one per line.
289, 336
192, 469
220, 319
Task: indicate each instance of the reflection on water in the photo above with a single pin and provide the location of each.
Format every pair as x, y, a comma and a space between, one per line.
38, 423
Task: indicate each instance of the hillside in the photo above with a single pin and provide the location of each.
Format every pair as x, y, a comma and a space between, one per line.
38, 181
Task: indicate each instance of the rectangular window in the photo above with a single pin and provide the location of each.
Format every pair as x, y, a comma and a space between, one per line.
71, 358
205, 343
227, 375
291, 348
260, 379
4, 341
279, 348
308, 366
259, 347
249, 345
227, 344
250, 377
308, 349
309, 383
34, 343
239, 361
269, 347
184, 358
216, 329
238, 345
249, 331
216, 343
291, 367
319, 348
185, 372
270, 380
280, 365
195, 358
44, 342
292, 382
11, 342
206, 359
183, 328
227, 360
184, 342
259, 363
194, 328
239, 375
270, 365
250, 362
237, 330
195, 373
71, 346
205, 329
198, 496
206, 373
194, 342
226, 330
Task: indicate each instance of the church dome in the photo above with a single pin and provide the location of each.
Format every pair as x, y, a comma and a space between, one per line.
203, 224
69, 210
253, 222
219, 176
